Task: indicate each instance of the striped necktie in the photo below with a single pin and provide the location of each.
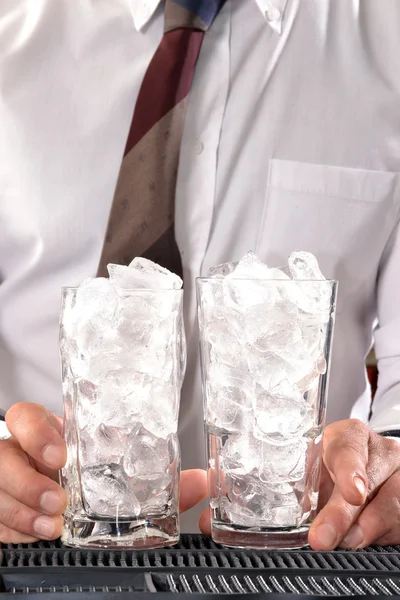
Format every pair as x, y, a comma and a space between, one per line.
141, 221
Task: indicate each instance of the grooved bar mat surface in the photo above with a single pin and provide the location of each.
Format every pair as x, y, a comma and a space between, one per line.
195, 567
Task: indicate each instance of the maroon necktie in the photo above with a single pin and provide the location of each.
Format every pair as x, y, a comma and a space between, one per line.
141, 221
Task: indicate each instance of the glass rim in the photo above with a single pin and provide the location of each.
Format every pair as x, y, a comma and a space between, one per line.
75, 288
219, 279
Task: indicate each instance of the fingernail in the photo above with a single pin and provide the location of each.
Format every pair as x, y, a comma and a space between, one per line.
44, 527
360, 485
54, 455
327, 535
354, 537
50, 502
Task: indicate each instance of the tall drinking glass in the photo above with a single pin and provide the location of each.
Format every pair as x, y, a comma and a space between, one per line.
123, 360
265, 353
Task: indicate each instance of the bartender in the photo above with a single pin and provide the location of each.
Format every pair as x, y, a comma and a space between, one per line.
282, 133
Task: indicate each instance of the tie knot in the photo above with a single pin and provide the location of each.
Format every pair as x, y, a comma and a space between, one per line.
191, 14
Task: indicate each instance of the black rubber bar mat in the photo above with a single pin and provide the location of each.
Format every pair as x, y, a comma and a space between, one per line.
195, 567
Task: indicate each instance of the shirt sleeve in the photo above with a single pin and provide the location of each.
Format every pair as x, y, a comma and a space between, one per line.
386, 406
4, 433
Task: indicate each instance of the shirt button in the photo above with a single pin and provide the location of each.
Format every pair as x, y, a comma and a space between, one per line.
199, 147
272, 14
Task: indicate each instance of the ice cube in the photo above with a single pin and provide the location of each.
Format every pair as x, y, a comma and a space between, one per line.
250, 267
311, 379
283, 463
221, 271
241, 454
276, 505
286, 516
160, 415
268, 329
73, 359
96, 299
249, 493
217, 315
135, 319
86, 409
304, 266
102, 445
154, 499
224, 337
229, 396
143, 274
156, 480
121, 396
257, 289
267, 368
125, 278
282, 415
159, 356
311, 293
241, 297
95, 337
239, 515
312, 339
147, 455
239, 486
101, 364
107, 494
301, 372
93, 317
212, 301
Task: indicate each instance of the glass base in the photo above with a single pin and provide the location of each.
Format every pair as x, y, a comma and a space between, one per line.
263, 538
83, 532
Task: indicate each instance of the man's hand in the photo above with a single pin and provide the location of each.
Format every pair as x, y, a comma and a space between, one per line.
359, 492
31, 501
360, 489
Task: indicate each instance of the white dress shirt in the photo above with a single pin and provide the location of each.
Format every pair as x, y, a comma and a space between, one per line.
292, 142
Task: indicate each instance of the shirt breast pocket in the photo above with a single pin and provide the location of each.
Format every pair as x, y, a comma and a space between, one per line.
344, 216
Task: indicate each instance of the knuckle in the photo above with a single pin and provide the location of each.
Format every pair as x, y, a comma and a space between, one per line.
357, 424
10, 452
357, 429
353, 433
27, 491
14, 516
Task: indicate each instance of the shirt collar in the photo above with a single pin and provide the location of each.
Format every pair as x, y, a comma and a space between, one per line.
272, 11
